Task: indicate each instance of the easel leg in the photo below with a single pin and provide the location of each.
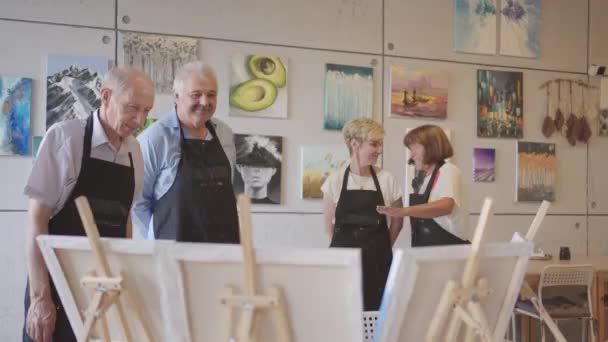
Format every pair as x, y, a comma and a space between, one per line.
227, 313
442, 312
133, 305
90, 317
476, 310
105, 329
453, 328
469, 335
246, 324
280, 314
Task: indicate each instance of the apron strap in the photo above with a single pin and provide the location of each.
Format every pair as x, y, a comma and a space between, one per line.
344, 181
429, 186
378, 189
88, 134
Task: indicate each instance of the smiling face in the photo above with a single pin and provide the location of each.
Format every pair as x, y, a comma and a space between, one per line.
368, 151
128, 108
197, 100
417, 155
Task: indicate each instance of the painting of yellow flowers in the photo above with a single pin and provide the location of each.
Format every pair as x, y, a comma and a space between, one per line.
318, 163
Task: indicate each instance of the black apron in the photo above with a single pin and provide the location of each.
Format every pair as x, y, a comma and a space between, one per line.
109, 187
427, 232
359, 225
200, 205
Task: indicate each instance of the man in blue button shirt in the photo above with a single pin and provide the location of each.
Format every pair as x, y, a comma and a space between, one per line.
189, 159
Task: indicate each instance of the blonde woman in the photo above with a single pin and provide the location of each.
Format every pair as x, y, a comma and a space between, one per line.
351, 196
435, 207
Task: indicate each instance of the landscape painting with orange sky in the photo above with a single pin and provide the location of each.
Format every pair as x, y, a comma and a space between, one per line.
420, 93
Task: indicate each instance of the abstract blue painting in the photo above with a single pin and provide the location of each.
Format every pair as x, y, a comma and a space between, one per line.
73, 87
475, 26
15, 101
520, 28
349, 94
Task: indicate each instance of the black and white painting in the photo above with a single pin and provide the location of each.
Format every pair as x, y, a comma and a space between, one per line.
73, 86
258, 167
158, 56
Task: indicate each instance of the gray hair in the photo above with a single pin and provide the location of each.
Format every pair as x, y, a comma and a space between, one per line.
121, 78
196, 67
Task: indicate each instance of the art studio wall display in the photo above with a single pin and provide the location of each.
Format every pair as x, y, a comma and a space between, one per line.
15, 104
500, 104
258, 165
536, 171
475, 26
484, 165
318, 163
419, 93
571, 117
158, 56
73, 87
349, 94
258, 86
520, 28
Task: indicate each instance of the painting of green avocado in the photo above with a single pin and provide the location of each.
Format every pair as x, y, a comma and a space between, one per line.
259, 86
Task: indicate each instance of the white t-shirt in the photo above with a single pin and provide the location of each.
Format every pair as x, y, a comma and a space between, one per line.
448, 184
391, 190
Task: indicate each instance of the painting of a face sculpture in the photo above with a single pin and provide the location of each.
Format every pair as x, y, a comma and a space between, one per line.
258, 164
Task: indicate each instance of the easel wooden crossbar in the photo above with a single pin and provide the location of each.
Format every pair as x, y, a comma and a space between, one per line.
108, 290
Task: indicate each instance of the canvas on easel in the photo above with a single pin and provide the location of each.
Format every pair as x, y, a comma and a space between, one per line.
71, 261
321, 287
422, 280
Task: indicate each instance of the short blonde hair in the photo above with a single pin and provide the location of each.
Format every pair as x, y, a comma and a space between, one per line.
436, 145
362, 129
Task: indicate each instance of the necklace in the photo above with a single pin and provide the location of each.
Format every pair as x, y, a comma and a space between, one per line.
356, 182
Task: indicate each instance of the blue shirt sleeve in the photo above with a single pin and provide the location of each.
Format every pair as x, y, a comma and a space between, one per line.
143, 209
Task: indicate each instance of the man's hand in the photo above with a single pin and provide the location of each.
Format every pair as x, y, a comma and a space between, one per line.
40, 320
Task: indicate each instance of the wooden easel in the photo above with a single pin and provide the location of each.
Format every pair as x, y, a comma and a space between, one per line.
460, 303
250, 304
107, 289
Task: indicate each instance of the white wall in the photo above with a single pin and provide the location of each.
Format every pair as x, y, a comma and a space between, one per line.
310, 34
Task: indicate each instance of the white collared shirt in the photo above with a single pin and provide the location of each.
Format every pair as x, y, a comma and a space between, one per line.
59, 159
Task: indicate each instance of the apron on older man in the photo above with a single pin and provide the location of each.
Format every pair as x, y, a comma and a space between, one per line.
359, 225
109, 187
425, 231
200, 205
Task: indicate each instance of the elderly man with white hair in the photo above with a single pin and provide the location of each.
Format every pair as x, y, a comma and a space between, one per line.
96, 157
189, 159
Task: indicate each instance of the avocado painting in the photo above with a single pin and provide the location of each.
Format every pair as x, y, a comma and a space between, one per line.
349, 94
259, 86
